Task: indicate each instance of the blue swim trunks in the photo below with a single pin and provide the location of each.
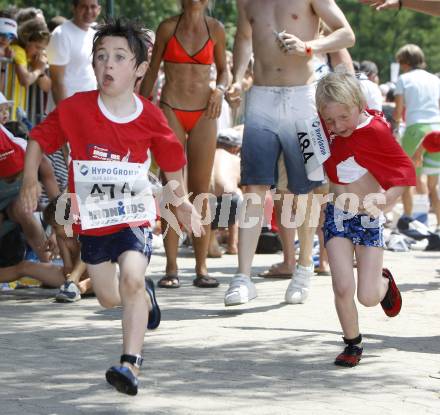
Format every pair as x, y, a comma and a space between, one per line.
359, 229
97, 249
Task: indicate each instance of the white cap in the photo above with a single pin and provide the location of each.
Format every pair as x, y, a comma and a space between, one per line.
8, 27
3, 100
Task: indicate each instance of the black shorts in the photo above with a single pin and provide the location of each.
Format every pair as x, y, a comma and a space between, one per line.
97, 249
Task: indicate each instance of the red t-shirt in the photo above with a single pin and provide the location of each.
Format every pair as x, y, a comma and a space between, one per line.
11, 156
94, 134
375, 149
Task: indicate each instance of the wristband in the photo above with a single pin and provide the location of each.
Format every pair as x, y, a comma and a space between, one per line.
309, 51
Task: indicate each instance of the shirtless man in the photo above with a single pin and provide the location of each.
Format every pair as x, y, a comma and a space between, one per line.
283, 35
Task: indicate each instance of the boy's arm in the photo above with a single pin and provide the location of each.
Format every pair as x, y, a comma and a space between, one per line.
48, 179
30, 189
186, 213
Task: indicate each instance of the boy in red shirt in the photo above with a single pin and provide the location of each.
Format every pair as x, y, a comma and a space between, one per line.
109, 132
368, 171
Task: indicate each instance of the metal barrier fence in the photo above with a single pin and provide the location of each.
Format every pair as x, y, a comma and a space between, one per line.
34, 110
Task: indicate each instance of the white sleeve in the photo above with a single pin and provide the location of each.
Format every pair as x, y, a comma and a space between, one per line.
58, 50
399, 87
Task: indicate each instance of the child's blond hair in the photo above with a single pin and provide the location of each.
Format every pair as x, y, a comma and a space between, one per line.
342, 88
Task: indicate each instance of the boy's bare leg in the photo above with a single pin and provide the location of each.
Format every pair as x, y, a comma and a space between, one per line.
32, 229
129, 291
340, 253
372, 286
48, 273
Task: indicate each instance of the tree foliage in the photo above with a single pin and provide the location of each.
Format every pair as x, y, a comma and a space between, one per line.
378, 34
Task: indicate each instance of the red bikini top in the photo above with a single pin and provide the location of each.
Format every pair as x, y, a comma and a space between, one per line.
176, 53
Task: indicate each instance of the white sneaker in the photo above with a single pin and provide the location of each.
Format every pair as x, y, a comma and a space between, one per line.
298, 289
240, 291
69, 293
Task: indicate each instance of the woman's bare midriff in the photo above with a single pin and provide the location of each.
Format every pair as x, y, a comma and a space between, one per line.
187, 86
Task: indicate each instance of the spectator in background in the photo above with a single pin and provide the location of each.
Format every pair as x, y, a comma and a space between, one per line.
29, 13
370, 89
225, 180
70, 51
28, 70
56, 21
369, 68
418, 92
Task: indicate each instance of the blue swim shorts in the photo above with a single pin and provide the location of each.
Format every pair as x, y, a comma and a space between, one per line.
97, 249
359, 229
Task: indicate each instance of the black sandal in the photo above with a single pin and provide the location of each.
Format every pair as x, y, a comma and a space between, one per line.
169, 281
205, 281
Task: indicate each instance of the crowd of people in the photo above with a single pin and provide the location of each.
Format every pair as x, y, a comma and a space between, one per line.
121, 102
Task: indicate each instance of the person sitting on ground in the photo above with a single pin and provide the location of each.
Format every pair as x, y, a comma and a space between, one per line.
225, 182
72, 276
365, 158
77, 281
12, 151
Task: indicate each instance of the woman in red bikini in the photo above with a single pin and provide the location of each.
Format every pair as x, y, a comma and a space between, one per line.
188, 45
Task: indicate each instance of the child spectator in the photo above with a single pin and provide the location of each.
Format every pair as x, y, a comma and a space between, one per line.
365, 158
5, 109
8, 32
128, 126
418, 93
74, 271
30, 63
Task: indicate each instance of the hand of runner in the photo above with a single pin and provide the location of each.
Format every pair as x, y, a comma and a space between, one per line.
233, 95
29, 194
190, 218
381, 4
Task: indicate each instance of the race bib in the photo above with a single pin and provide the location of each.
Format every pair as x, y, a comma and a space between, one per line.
111, 193
314, 147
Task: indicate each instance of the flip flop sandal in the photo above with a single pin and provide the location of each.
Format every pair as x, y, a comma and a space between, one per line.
273, 273
122, 379
205, 281
169, 281
154, 315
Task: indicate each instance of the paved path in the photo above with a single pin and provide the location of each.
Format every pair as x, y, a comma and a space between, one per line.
262, 358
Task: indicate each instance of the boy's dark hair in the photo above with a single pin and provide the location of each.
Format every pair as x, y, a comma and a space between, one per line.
138, 39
